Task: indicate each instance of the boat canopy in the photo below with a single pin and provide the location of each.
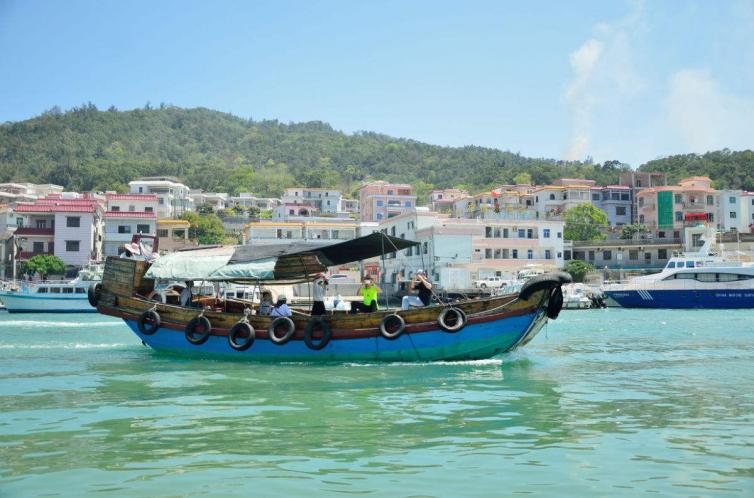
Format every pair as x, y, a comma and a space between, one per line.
286, 261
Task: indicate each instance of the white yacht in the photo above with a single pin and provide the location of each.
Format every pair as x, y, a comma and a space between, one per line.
52, 296
701, 280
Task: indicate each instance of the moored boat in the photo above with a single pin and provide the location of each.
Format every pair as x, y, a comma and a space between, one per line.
463, 330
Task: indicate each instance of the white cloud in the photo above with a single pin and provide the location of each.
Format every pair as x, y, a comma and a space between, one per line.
603, 72
706, 116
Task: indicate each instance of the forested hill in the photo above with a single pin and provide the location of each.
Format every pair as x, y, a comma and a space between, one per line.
89, 149
728, 169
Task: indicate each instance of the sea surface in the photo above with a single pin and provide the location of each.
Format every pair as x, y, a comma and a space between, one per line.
602, 403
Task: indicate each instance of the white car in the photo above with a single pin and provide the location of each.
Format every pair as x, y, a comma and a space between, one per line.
491, 282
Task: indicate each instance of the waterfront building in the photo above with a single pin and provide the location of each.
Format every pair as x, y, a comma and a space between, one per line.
615, 201
735, 206
315, 230
321, 200
69, 226
125, 215
381, 200
551, 201
503, 202
666, 210
26, 192
173, 197
614, 254
174, 235
457, 251
637, 181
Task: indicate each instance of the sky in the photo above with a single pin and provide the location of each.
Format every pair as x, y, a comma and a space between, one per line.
629, 80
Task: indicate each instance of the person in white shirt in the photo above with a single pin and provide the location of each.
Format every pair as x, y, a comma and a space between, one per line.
281, 307
318, 294
185, 299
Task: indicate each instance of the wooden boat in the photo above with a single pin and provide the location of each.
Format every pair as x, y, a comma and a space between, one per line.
465, 330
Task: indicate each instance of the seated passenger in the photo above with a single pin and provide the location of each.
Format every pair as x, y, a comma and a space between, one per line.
281, 307
422, 286
266, 306
186, 299
369, 292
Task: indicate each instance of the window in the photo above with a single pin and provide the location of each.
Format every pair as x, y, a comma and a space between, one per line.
38, 247
624, 197
671, 265
710, 200
620, 210
546, 233
530, 233
379, 217
497, 232
560, 235
506, 234
595, 197
41, 223
529, 254
425, 248
488, 232
548, 254
732, 214
407, 204
706, 277
42, 290
179, 233
641, 201
515, 253
552, 197
678, 216
67, 290
115, 209
521, 233
72, 245
380, 203
19, 222
607, 255
162, 232
591, 255
488, 253
498, 253
142, 228
641, 218
80, 290
732, 200
149, 209
506, 253
73, 221
161, 202
678, 198
689, 264
131, 208
662, 254
124, 228
633, 254
560, 254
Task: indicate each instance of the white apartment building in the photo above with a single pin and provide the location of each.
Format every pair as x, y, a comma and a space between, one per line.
320, 200
26, 192
69, 228
218, 200
173, 197
475, 248
615, 201
127, 214
735, 209
277, 231
551, 201
248, 200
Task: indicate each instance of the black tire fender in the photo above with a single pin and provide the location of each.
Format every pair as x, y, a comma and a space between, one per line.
460, 322
148, 322
555, 303
241, 329
93, 293
198, 338
316, 345
543, 282
277, 322
385, 323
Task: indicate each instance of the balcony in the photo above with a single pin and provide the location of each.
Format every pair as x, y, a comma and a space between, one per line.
31, 254
49, 232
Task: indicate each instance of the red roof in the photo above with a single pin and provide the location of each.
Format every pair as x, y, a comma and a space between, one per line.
53, 208
129, 214
131, 197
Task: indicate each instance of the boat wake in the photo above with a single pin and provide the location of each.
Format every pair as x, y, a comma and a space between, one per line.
54, 325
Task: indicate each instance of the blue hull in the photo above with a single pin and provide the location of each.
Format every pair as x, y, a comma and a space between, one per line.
684, 299
475, 341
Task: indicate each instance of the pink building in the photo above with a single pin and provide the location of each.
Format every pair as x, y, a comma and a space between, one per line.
382, 200
442, 200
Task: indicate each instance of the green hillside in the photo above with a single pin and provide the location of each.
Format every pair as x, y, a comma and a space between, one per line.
89, 149
734, 170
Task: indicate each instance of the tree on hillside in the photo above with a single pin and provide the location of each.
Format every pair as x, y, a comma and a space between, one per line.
585, 222
522, 179
44, 264
629, 231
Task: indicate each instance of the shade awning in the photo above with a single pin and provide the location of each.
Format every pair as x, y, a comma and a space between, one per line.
289, 261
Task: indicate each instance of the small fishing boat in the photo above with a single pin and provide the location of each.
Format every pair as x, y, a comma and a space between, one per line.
52, 296
231, 327
700, 280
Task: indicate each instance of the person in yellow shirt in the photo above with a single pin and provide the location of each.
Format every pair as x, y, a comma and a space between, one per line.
368, 291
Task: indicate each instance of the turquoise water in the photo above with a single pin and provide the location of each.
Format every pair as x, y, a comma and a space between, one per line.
602, 403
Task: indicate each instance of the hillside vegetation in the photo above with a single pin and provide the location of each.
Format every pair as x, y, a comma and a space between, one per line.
89, 149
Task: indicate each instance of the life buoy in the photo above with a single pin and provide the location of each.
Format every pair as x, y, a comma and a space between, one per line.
276, 323
242, 330
198, 330
555, 303
93, 293
317, 344
392, 326
148, 322
452, 319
